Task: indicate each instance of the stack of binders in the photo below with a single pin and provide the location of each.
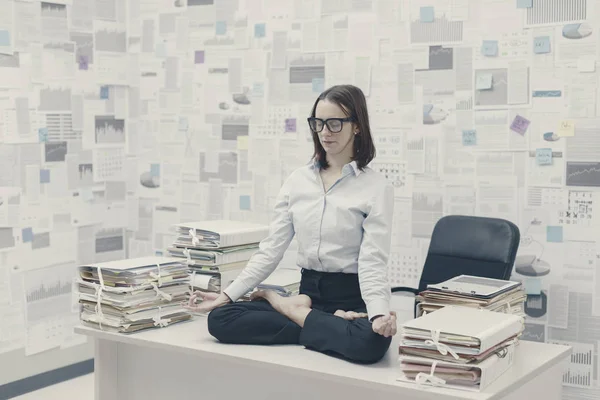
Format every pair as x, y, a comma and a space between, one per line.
133, 294
477, 292
284, 281
216, 251
458, 347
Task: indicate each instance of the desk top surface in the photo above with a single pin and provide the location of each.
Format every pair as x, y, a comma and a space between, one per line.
192, 338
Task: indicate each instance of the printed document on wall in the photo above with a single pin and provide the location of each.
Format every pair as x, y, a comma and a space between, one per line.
48, 294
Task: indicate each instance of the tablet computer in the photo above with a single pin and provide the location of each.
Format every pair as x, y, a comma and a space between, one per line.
474, 286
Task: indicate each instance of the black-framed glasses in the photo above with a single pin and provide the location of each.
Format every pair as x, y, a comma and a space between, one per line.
334, 125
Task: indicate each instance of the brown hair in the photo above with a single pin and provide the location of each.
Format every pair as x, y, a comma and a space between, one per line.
352, 101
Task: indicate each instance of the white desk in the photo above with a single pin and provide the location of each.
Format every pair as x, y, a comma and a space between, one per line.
183, 361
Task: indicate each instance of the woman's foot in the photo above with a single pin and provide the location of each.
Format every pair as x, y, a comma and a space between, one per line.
295, 308
349, 315
280, 303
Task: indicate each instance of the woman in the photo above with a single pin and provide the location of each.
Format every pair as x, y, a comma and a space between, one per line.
341, 212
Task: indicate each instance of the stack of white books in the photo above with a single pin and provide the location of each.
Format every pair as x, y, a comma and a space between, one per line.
133, 294
474, 291
216, 251
283, 281
458, 347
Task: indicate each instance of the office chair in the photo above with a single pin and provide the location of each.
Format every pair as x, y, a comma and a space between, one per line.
477, 246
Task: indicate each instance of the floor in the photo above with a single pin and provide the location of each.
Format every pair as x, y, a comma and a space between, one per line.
81, 388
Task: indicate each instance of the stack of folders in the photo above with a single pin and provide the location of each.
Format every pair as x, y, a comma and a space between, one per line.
458, 347
473, 291
216, 251
284, 281
133, 294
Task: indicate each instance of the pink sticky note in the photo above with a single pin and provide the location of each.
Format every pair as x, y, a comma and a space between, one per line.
520, 125
290, 125
83, 63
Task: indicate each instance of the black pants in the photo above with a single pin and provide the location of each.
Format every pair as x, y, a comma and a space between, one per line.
256, 322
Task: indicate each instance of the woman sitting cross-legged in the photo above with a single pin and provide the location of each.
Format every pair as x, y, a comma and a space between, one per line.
341, 213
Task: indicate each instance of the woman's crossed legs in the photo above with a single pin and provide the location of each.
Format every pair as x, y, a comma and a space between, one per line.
273, 319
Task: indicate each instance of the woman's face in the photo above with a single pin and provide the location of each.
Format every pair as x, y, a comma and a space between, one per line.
335, 142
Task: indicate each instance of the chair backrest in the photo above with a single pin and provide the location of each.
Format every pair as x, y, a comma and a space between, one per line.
468, 245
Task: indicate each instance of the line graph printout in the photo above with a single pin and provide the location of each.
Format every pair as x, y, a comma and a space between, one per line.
583, 174
534, 332
497, 95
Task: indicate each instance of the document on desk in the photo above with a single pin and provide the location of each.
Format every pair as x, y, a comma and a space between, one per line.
465, 377
466, 330
215, 256
133, 294
219, 233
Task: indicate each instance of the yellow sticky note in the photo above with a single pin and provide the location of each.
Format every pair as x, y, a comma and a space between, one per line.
566, 128
242, 143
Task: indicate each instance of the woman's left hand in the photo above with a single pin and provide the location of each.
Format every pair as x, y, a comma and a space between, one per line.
385, 325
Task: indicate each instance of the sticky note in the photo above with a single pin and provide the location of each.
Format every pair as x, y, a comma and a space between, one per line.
489, 48
160, 50
43, 135
554, 234
524, 3
519, 125
104, 92
221, 27
44, 176
154, 170
566, 128
4, 38
427, 14
541, 44
199, 57
469, 137
258, 89
543, 156
184, 123
318, 85
260, 30
83, 62
86, 194
290, 125
242, 142
27, 235
586, 65
483, 82
533, 286
244, 202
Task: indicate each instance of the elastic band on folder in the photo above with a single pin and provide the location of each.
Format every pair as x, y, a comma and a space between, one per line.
441, 347
423, 379
159, 320
157, 276
160, 293
99, 290
186, 253
195, 240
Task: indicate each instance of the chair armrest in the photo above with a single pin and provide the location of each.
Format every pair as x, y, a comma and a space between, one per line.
405, 289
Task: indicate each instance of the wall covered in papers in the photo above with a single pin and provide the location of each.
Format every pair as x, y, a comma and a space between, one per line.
121, 118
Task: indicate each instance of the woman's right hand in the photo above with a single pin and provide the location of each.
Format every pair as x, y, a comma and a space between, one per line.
209, 302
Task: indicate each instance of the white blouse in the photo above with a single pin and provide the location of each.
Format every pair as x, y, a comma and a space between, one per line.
346, 229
